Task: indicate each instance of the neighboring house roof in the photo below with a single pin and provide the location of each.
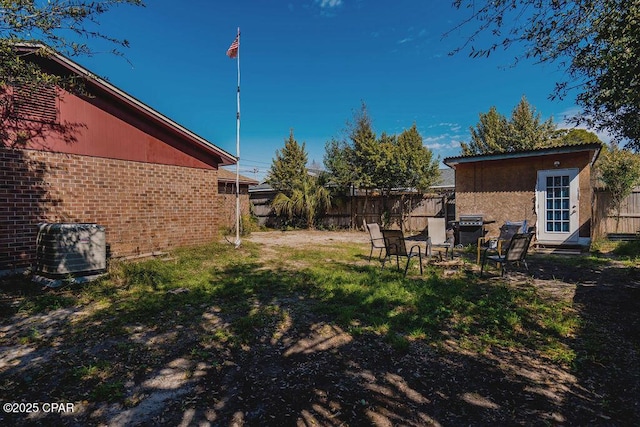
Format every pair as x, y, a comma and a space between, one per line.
225, 175
145, 110
447, 180
452, 162
315, 171
261, 188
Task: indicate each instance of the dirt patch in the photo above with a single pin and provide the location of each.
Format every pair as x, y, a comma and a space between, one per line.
297, 239
305, 370
302, 238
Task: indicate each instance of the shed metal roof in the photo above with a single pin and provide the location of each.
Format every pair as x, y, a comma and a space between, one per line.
452, 162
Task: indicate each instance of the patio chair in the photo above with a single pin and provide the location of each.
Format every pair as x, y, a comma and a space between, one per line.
395, 245
515, 252
377, 241
495, 244
439, 237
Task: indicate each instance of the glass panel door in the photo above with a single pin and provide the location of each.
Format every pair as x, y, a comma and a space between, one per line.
558, 204
557, 195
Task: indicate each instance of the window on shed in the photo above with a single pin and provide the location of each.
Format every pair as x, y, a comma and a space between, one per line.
35, 103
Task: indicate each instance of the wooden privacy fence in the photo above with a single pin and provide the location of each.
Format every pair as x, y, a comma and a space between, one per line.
605, 223
414, 210
409, 211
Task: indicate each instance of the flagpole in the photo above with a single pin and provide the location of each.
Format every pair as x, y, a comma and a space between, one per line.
238, 149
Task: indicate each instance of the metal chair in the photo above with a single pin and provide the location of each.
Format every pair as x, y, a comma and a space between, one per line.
440, 237
377, 240
495, 244
395, 245
516, 252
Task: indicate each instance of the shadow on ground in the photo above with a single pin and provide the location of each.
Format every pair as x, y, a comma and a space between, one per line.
291, 364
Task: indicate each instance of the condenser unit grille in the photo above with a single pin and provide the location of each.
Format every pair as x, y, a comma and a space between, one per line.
65, 250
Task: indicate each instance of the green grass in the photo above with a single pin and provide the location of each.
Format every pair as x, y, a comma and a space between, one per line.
256, 300
630, 249
624, 250
46, 302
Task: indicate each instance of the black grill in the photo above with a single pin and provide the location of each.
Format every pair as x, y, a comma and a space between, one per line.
469, 229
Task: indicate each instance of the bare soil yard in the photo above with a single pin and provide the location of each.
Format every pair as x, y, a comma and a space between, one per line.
306, 370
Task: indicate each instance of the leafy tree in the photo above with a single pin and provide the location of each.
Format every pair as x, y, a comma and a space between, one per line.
619, 171
416, 166
525, 130
49, 22
609, 67
385, 163
575, 136
61, 25
594, 41
346, 160
289, 168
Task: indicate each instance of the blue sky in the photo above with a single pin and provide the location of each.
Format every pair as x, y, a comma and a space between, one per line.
307, 65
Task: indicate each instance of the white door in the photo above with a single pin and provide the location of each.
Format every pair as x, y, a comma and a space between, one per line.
557, 195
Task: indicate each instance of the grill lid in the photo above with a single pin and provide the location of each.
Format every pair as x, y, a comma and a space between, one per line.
470, 220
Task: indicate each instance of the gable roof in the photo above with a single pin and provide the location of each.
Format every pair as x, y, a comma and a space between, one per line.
452, 162
146, 111
225, 175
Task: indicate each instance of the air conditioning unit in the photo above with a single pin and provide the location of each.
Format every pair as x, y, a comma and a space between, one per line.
69, 251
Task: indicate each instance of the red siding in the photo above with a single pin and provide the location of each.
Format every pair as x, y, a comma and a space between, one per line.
103, 126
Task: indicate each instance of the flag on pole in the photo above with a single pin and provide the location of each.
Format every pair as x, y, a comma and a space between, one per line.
232, 52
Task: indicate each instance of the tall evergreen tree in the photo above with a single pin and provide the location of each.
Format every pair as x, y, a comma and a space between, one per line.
418, 167
525, 130
289, 168
365, 147
489, 135
385, 163
338, 163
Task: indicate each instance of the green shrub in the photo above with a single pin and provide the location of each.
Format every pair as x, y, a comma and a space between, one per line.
629, 249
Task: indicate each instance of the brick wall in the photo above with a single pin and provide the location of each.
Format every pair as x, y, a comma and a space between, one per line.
144, 207
227, 203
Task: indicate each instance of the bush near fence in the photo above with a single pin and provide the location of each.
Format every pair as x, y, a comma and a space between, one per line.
411, 212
